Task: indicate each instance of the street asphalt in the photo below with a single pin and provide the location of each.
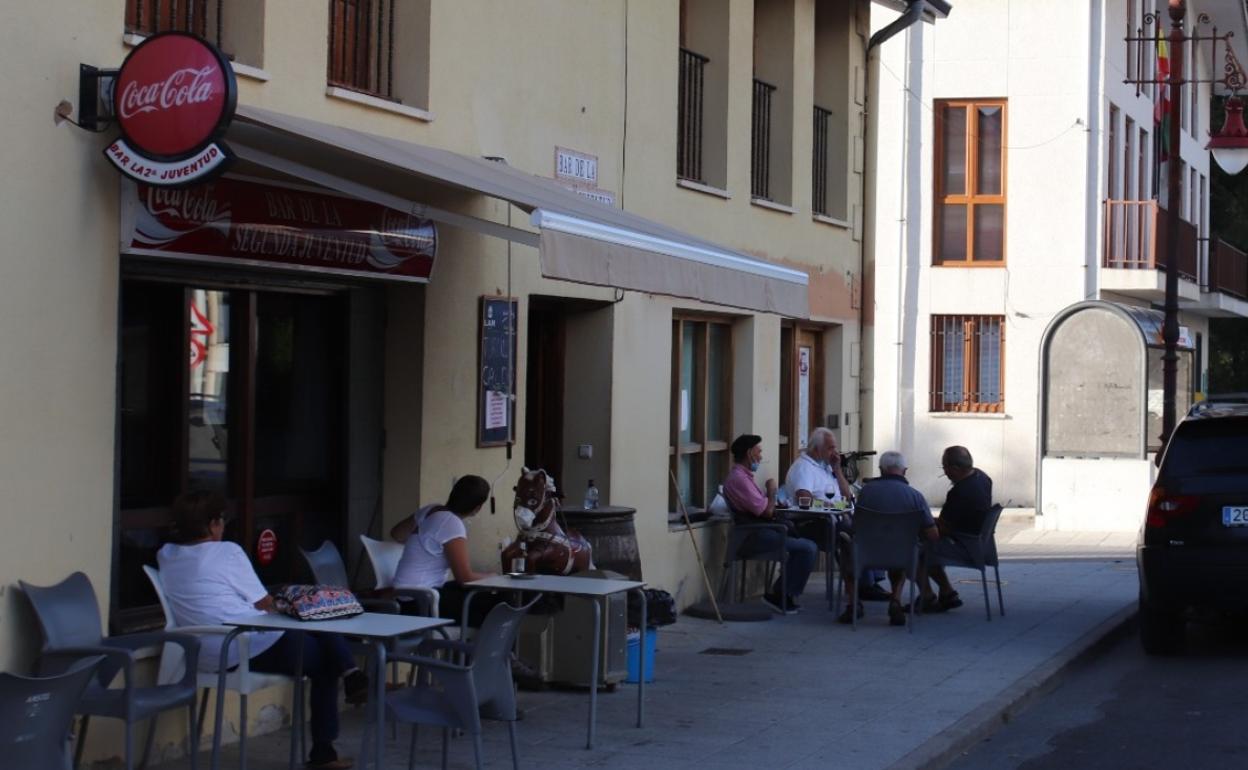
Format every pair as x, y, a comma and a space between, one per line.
804, 692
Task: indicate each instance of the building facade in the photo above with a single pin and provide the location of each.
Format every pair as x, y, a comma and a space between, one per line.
1016, 175
672, 203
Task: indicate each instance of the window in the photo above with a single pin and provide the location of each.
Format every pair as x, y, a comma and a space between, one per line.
147, 17
771, 130
1111, 163
235, 390
235, 26
1128, 159
702, 94
701, 408
967, 363
380, 48
969, 220
835, 108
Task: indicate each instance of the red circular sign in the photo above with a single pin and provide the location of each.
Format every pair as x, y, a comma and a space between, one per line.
266, 547
173, 95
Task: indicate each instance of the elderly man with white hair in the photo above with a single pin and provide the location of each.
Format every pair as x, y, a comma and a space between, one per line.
817, 470
891, 493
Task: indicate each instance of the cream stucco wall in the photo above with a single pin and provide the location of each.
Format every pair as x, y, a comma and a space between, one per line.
508, 79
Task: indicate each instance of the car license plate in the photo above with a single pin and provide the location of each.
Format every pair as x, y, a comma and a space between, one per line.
1235, 515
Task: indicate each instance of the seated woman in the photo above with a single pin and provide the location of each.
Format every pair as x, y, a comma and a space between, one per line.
209, 581
435, 540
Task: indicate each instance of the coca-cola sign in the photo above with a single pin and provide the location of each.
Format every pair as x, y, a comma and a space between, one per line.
173, 97
248, 223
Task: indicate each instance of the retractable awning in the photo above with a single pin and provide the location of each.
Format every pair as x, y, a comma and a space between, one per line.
578, 239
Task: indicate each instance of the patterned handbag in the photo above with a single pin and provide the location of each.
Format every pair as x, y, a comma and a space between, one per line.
316, 602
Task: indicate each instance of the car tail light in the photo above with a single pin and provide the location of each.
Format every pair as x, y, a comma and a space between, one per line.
1163, 507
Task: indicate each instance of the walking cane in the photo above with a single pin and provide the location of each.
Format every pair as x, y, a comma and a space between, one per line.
697, 551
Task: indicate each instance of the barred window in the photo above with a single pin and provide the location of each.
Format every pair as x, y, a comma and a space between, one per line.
380, 48
967, 363
361, 46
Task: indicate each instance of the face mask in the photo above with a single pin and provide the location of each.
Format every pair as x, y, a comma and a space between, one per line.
754, 466
524, 517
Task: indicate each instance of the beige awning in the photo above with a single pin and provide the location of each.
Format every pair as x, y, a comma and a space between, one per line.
580, 240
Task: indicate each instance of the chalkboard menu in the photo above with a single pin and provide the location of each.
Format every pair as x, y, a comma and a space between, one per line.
496, 355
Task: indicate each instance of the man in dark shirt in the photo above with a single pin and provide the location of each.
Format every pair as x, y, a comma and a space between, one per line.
966, 506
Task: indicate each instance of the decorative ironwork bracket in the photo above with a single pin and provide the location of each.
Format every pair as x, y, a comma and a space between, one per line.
1233, 77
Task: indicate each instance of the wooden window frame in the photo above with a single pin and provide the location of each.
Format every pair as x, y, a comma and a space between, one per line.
699, 446
971, 198
970, 402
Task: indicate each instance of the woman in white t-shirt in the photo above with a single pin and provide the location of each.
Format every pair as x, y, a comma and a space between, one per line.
436, 540
209, 581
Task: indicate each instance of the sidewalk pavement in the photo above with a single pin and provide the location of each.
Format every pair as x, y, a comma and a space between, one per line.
804, 692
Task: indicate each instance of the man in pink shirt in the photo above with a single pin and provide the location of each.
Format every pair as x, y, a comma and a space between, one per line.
749, 503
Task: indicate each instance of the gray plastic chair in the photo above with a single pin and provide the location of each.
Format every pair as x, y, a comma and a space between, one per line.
36, 714
981, 552
886, 541
457, 696
70, 621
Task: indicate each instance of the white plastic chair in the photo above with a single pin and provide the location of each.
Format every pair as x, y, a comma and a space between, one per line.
384, 557
241, 679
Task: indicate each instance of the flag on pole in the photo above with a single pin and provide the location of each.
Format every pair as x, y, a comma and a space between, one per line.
1161, 107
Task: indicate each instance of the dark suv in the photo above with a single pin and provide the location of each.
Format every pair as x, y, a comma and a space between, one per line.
1193, 546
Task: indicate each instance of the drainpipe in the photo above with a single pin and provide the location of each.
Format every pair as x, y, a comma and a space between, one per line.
912, 15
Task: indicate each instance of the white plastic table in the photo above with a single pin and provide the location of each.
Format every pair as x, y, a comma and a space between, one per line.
597, 589
378, 628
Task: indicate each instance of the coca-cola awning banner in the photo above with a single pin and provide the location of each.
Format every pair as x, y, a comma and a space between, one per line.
243, 222
173, 97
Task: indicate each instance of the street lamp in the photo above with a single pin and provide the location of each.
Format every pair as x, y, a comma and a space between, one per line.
1230, 145
1230, 149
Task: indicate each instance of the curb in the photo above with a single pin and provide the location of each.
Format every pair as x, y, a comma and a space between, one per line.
988, 718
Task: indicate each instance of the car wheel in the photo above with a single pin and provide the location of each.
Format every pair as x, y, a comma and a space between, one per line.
1161, 631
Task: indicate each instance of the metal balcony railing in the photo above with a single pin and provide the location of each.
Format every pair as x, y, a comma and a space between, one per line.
1228, 270
147, 17
819, 160
760, 141
1135, 238
690, 109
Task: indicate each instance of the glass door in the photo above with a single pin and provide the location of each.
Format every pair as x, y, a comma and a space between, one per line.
238, 390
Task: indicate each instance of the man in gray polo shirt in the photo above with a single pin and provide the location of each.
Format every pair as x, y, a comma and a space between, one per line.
891, 493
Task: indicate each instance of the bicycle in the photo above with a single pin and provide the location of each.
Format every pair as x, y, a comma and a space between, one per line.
849, 467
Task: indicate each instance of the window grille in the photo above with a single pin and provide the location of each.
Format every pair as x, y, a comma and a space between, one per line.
691, 92
968, 354
760, 141
361, 46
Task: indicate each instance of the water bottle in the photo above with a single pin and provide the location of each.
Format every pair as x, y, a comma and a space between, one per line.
591, 496
519, 564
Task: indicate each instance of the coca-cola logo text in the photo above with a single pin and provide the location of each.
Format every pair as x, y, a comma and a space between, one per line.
186, 86
196, 204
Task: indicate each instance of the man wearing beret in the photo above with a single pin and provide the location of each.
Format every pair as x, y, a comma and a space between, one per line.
748, 503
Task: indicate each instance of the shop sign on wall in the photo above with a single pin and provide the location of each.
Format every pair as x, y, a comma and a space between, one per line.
173, 98
578, 171
231, 220
496, 407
